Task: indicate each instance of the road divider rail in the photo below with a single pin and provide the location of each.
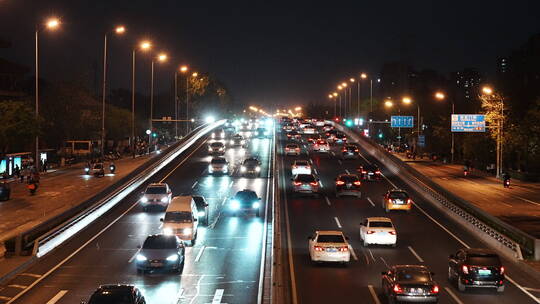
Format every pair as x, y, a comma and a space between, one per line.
510, 240
54, 238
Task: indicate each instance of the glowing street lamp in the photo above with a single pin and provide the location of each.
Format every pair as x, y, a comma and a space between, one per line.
363, 75
161, 57
145, 45
195, 74
406, 100
388, 103
53, 23
184, 69
120, 29
440, 96
487, 90
352, 80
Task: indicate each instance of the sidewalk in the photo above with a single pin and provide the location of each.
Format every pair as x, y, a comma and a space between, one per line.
58, 191
519, 205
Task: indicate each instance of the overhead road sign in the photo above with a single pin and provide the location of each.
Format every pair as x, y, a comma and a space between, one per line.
402, 121
468, 123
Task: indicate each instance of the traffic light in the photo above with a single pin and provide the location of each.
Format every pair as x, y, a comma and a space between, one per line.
154, 134
349, 123
380, 135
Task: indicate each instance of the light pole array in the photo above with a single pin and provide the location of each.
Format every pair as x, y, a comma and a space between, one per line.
499, 100
162, 57
143, 46
441, 96
51, 24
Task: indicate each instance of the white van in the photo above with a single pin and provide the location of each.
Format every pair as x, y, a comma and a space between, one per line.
181, 218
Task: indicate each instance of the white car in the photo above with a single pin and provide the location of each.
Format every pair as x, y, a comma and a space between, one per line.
292, 149
218, 165
319, 123
301, 167
321, 146
309, 130
156, 195
379, 231
329, 246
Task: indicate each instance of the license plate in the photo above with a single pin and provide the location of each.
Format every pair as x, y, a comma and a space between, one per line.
349, 185
331, 249
305, 186
370, 173
484, 272
156, 264
399, 202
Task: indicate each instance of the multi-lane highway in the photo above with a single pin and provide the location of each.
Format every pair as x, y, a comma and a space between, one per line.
424, 237
222, 267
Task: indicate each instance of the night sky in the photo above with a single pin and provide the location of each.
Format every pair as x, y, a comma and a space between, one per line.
267, 52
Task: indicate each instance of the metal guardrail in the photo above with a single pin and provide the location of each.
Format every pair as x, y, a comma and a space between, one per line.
47, 242
501, 233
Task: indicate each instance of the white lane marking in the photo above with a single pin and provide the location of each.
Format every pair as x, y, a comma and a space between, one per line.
183, 161
415, 254
311, 161
384, 261
371, 202
231, 184
223, 201
374, 294
194, 184
57, 297
33, 275
371, 254
320, 182
453, 295
179, 296
133, 257
337, 222
505, 204
327, 200
527, 200
339, 161
18, 286
217, 296
351, 249
200, 254
532, 289
315, 170
5, 298
347, 171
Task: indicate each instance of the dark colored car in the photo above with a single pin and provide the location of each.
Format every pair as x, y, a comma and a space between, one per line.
476, 268
250, 166
245, 200
117, 294
294, 135
369, 172
409, 283
350, 152
202, 209
340, 138
348, 184
160, 251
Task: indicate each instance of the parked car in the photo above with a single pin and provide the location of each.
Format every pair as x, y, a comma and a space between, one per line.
476, 268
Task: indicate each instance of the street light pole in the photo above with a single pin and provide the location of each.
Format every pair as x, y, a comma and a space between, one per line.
151, 104
176, 104
187, 104
103, 93
133, 103
452, 149
36, 159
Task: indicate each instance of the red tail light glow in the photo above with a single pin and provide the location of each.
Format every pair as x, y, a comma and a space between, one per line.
502, 269
297, 183
355, 150
378, 172
344, 249
357, 183
392, 232
313, 183
318, 248
409, 201
364, 172
340, 182
398, 289
297, 149
435, 289
370, 232
465, 269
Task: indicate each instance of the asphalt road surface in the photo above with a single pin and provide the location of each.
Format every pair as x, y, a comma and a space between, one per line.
222, 267
425, 237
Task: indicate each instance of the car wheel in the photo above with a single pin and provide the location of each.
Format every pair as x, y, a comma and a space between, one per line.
461, 286
500, 289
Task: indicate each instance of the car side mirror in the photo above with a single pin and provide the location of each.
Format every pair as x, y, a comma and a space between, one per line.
309, 238
383, 272
451, 256
161, 219
432, 273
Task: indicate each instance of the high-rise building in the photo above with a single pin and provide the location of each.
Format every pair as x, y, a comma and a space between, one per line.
466, 87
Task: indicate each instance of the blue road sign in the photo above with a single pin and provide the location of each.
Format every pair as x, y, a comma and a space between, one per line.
402, 121
468, 123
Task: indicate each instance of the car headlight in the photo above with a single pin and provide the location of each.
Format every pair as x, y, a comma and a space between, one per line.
242, 141
172, 258
201, 213
187, 231
256, 205
86, 170
258, 169
164, 199
167, 231
213, 135
144, 199
210, 169
209, 149
243, 169
141, 258
232, 142
235, 205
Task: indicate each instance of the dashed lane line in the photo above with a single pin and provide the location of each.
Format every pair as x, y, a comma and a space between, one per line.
374, 294
194, 185
355, 257
33, 275
217, 296
133, 257
347, 171
453, 295
199, 255
327, 200
57, 297
371, 202
337, 222
415, 254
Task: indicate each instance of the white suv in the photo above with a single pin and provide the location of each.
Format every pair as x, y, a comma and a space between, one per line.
156, 195
329, 246
301, 167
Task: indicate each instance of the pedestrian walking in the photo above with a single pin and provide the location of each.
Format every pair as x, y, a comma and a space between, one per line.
45, 164
17, 171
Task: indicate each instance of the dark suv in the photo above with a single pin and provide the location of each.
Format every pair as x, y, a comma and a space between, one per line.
369, 172
410, 283
127, 294
472, 267
350, 151
348, 184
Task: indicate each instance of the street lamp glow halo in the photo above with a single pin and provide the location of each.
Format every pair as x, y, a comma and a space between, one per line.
53, 23
120, 29
407, 100
145, 45
162, 57
183, 68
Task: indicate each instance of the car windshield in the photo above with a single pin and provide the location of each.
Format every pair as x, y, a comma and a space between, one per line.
111, 297
305, 178
399, 195
251, 162
301, 163
292, 146
216, 145
198, 199
218, 161
416, 275
156, 190
380, 224
246, 196
330, 238
179, 217
160, 242
484, 260
98, 166
348, 178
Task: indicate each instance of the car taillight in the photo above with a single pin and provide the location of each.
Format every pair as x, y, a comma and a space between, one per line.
392, 232
344, 249
344, 150
318, 248
370, 232
435, 289
355, 150
502, 269
340, 182
364, 172
294, 166
313, 183
465, 269
297, 149
390, 201
357, 183
297, 183
409, 201
378, 172
398, 289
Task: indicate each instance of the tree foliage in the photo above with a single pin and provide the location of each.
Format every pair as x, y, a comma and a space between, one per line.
19, 126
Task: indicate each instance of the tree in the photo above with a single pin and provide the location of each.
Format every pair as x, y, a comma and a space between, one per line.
19, 126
